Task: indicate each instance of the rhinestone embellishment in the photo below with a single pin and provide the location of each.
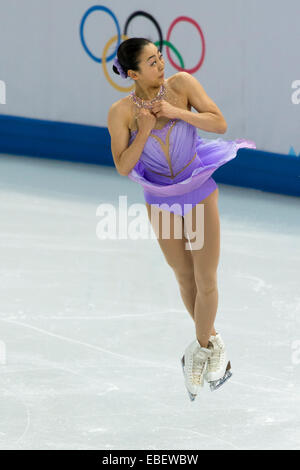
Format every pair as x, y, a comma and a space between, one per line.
148, 103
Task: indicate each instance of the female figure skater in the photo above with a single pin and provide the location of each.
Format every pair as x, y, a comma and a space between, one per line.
154, 142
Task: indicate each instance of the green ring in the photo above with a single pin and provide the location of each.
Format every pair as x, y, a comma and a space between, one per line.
167, 43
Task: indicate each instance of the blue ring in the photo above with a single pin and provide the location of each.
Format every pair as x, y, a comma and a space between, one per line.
90, 10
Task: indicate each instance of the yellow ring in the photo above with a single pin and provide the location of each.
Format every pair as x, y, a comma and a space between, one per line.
117, 87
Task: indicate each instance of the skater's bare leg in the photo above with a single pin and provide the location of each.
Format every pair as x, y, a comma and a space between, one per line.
176, 255
206, 261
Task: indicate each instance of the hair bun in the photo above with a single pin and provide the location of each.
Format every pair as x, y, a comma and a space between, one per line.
115, 70
119, 68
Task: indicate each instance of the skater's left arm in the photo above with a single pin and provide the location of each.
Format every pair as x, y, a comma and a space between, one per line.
209, 117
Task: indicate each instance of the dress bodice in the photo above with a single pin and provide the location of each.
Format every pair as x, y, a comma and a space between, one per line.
176, 161
168, 151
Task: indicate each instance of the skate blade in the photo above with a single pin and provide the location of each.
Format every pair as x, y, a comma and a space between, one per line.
192, 396
218, 383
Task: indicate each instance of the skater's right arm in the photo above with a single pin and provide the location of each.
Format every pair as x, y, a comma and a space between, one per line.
125, 157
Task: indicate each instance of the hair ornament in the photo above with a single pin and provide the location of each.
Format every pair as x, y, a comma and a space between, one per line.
120, 69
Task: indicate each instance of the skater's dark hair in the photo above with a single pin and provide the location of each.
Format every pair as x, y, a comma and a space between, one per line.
129, 52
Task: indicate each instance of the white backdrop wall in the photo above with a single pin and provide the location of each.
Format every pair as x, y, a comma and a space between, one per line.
251, 60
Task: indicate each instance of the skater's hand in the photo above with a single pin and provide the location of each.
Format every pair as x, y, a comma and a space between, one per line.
164, 109
145, 120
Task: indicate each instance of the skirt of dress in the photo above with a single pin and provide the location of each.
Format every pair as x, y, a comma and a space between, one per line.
195, 182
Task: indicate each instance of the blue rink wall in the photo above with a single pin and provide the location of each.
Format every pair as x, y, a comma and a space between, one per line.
256, 169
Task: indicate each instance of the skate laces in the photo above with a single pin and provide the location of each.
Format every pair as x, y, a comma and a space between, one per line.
199, 362
213, 361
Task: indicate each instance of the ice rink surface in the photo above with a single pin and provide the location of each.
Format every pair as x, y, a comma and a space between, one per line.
92, 331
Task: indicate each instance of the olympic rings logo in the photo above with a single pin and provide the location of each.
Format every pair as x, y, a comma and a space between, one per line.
117, 38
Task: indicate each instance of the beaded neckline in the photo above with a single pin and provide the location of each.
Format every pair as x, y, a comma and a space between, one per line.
148, 103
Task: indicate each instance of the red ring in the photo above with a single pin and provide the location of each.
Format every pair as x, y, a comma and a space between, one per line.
189, 20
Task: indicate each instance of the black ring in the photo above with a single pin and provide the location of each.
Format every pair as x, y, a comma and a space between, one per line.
151, 18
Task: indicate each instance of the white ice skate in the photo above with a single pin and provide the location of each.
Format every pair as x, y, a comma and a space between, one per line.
194, 363
218, 366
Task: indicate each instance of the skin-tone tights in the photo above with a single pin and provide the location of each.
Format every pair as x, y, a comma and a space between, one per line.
194, 264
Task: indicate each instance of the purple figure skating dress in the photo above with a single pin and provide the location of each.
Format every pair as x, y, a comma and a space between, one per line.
176, 165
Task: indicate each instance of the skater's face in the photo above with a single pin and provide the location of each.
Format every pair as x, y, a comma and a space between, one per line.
151, 65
